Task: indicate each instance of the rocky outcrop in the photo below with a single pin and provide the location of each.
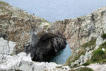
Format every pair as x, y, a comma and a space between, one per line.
23, 62
15, 32
84, 58
98, 67
82, 29
15, 24
83, 35
6, 48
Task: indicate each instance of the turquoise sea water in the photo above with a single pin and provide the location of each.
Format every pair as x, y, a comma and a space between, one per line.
62, 56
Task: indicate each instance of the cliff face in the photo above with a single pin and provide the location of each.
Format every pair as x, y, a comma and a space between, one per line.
16, 24
82, 29
22, 61
86, 36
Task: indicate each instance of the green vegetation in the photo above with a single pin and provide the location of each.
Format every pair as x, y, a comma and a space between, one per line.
87, 63
90, 43
83, 69
103, 46
81, 51
98, 55
103, 36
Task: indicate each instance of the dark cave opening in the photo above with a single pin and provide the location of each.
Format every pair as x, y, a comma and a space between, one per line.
48, 47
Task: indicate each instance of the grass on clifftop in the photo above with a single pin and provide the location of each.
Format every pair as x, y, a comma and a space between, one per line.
103, 46
98, 55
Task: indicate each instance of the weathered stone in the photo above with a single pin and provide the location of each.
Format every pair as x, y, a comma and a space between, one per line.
7, 47
17, 24
23, 62
81, 30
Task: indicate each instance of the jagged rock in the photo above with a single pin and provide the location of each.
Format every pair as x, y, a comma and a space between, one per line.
7, 47
44, 46
23, 61
81, 30
16, 24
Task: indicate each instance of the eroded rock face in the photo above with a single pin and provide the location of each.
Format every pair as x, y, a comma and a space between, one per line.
6, 48
45, 46
23, 61
15, 24
82, 29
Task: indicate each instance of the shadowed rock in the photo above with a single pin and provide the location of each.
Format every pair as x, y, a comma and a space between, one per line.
44, 46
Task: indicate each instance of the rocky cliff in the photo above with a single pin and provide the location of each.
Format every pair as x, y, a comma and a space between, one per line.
15, 31
82, 29
86, 36
16, 24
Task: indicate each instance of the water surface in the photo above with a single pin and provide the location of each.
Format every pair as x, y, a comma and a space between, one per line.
62, 57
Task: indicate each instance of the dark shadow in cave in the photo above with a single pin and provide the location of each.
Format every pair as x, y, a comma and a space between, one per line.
48, 47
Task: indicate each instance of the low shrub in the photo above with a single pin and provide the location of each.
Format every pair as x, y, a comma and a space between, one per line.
98, 55
87, 63
103, 45
103, 36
